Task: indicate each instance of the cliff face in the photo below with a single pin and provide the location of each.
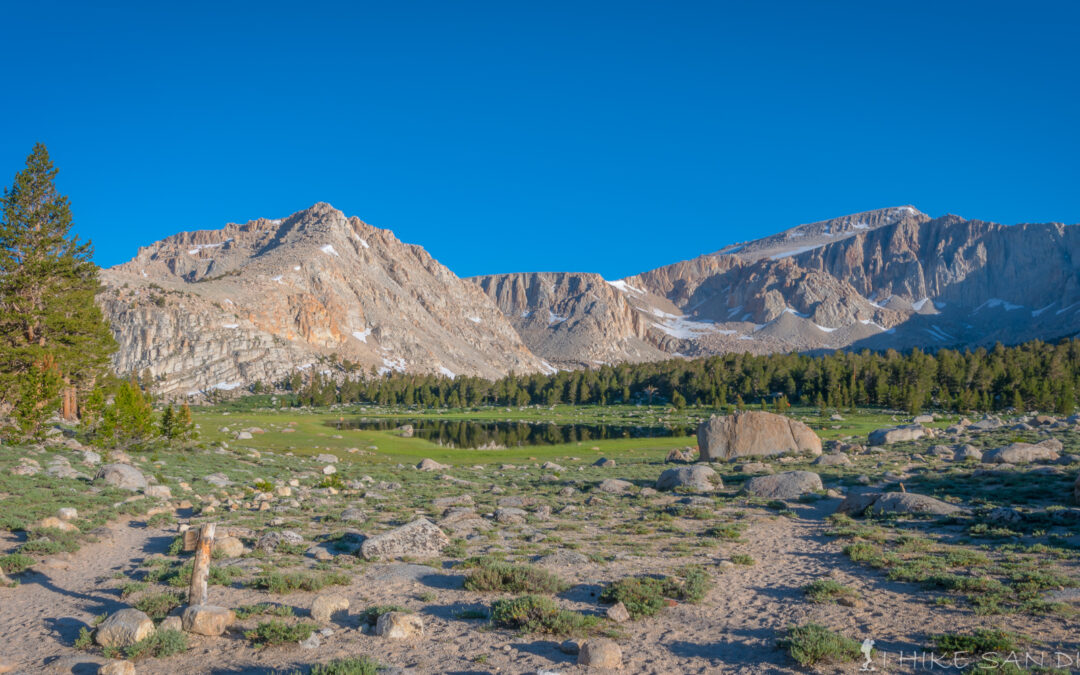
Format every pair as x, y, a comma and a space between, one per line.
892, 278
221, 309
258, 301
572, 320
961, 261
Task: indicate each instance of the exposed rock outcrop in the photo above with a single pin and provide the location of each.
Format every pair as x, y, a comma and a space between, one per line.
786, 485
890, 278
217, 310
124, 628
123, 476
754, 433
889, 435
1020, 453
572, 320
858, 503
698, 477
419, 539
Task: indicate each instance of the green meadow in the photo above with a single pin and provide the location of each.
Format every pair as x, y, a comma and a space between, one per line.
313, 431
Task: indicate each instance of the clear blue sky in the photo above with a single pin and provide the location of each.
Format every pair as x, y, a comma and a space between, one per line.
510, 136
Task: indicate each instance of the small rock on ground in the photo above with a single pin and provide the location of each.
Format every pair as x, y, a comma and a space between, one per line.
399, 626
600, 653
124, 628
325, 606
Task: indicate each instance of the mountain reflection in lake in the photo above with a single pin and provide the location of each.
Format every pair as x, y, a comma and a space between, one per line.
492, 434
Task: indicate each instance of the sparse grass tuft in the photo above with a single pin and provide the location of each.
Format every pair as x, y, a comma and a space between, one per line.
358, 666
47, 541
985, 640
646, 596
371, 614
496, 575
277, 632
15, 563
828, 590
158, 605
85, 640
289, 582
248, 611
159, 645
129, 588
540, 614
159, 520
813, 643
726, 531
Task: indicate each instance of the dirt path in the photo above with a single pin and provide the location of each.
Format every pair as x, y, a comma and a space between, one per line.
41, 618
735, 630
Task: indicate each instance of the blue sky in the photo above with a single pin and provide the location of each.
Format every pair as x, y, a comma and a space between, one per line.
508, 136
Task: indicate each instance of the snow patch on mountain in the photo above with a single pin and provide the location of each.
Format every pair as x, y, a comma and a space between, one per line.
626, 288
200, 247
997, 302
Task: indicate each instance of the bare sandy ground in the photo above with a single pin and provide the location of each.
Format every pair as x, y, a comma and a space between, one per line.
733, 631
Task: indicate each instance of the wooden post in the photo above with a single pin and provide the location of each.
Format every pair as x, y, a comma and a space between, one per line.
199, 574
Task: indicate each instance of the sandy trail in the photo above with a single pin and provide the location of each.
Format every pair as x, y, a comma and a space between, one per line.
735, 630
41, 618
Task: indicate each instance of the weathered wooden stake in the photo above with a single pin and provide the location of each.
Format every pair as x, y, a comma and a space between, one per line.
199, 574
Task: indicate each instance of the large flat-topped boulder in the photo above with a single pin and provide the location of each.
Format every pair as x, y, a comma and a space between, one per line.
858, 502
698, 477
754, 433
1020, 453
124, 628
419, 539
123, 476
787, 485
890, 435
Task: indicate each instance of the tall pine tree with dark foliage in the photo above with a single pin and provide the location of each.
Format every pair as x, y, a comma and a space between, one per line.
54, 341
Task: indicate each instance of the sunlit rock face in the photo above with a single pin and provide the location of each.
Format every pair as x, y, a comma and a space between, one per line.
222, 309
890, 278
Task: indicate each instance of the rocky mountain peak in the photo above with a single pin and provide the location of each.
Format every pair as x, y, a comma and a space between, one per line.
888, 278
258, 301
810, 236
320, 291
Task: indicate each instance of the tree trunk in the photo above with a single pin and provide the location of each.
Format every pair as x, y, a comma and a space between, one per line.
199, 574
70, 407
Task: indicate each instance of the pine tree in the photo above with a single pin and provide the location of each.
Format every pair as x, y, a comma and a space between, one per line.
168, 426
184, 425
1066, 401
678, 400
1017, 401
130, 419
53, 337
